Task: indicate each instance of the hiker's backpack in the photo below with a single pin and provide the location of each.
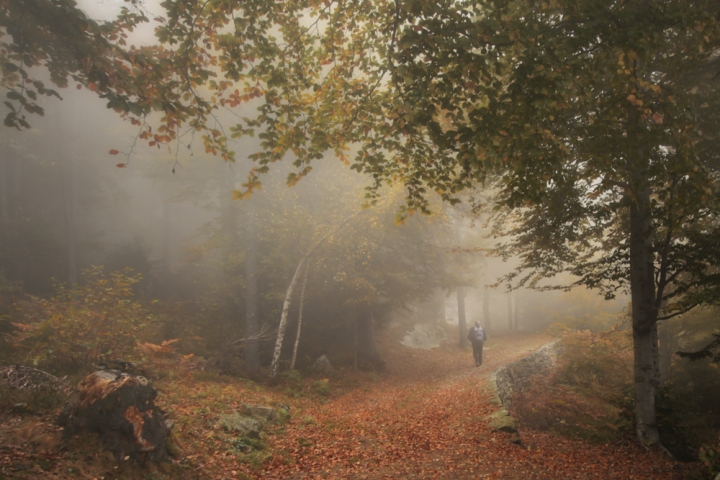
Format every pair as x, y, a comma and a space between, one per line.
479, 334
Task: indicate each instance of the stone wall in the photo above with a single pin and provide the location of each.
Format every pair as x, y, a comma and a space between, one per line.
514, 376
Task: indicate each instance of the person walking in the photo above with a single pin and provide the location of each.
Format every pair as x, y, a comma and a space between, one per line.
477, 337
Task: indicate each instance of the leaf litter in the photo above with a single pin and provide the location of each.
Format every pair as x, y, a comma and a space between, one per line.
424, 417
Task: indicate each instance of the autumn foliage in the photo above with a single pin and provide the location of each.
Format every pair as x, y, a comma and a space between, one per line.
83, 325
582, 396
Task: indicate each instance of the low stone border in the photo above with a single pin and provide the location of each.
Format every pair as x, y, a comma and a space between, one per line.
514, 376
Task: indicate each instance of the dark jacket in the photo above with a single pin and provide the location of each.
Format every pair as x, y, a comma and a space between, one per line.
477, 334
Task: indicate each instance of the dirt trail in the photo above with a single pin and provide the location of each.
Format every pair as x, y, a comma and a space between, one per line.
425, 418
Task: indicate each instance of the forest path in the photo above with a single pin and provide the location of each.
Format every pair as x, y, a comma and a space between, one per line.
425, 417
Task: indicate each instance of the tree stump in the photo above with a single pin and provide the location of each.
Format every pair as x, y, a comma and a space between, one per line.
120, 408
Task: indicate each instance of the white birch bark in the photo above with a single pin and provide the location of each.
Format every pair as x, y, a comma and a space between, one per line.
288, 297
300, 314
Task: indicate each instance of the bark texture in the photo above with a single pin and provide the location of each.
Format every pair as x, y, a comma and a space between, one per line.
300, 315
283, 319
644, 315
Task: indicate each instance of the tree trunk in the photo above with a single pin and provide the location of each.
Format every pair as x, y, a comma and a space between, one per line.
355, 345
438, 307
368, 354
283, 318
288, 296
665, 350
68, 181
486, 311
252, 325
300, 314
166, 264
510, 311
642, 289
4, 217
462, 324
656, 352
516, 314
4, 208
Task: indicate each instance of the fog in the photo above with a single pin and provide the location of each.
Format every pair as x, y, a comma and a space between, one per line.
67, 206
170, 215
425, 170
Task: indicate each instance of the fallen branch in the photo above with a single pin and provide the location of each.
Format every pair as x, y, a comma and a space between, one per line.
21, 377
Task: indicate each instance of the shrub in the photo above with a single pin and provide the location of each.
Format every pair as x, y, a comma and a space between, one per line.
600, 364
581, 396
83, 325
322, 387
709, 462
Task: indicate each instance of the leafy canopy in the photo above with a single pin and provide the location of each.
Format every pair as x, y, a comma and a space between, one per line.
552, 103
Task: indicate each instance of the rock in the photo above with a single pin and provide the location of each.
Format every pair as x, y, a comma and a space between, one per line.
516, 441
260, 412
120, 408
322, 365
501, 421
245, 426
514, 376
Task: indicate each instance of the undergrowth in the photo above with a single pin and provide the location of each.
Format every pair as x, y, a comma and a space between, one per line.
579, 398
589, 394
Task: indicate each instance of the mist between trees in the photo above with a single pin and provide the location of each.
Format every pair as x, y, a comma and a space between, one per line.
584, 156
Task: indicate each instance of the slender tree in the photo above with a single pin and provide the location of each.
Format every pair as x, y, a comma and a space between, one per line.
510, 311
252, 320
462, 324
300, 315
486, 310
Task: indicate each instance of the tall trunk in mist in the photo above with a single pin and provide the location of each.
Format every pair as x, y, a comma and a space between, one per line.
252, 322
300, 315
166, 262
462, 325
642, 290
11, 264
367, 351
68, 180
516, 314
438, 306
510, 311
230, 233
228, 209
486, 311
355, 345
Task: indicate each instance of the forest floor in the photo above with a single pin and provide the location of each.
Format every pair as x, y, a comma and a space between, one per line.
424, 417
